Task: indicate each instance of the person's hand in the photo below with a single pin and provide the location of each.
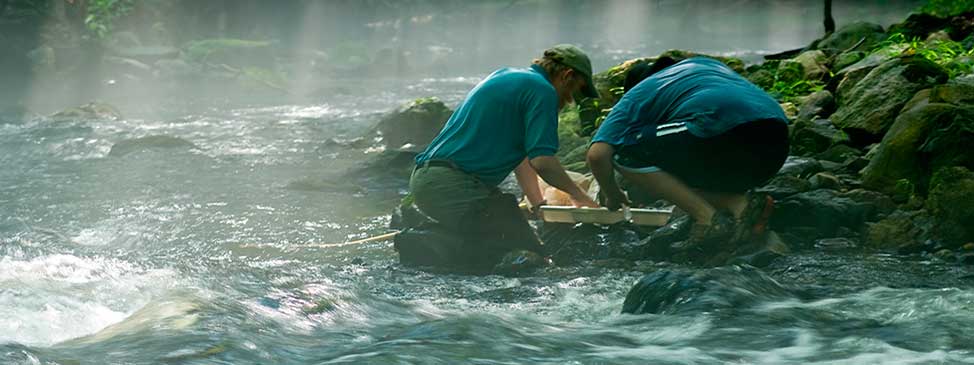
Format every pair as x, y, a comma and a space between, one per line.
583, 200
615, 199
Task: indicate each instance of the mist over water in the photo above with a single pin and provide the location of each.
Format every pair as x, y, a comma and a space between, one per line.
191, 253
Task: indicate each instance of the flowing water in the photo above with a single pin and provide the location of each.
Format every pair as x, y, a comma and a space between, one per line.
191, 256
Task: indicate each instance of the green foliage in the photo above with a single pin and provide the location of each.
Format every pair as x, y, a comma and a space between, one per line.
103, 13
952, 56
947, 8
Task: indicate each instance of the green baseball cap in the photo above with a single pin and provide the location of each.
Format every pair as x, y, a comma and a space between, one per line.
573, 57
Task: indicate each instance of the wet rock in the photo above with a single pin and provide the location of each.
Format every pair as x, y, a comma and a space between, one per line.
128, 146
712, 290
174, 68
927, 136
904, 231
811, 137
785, 185
800, 167
569, 243
851, 34
841, 154
90, 111
149, 54
790, 71
966, 259
825, 180
871, 106
819, 104
762, 252
519, 262
413, 126
820, 213
951, 202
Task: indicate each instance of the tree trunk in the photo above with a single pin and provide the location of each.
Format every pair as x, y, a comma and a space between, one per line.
829, 22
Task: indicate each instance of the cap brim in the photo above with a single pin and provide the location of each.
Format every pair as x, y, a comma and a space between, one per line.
589, 89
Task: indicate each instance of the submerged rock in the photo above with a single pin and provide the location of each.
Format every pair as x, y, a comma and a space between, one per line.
713, 290
413, 126
91, 111
149, 142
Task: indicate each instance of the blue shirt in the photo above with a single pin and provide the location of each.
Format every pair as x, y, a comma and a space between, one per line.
699, 95
510, 115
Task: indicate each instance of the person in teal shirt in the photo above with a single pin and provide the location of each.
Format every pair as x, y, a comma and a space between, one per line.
698, 135
508, 122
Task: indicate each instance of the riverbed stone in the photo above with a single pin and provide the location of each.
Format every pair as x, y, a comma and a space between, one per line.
710, 290
825, 180
814, 65
847, 59
785, 185
873, 104
232, 52
840, 154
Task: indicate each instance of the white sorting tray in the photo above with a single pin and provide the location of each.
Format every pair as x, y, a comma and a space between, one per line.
640, 216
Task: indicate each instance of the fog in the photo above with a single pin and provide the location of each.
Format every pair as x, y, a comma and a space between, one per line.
323, 45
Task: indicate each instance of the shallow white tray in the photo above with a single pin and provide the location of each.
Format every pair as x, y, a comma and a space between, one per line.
640, 216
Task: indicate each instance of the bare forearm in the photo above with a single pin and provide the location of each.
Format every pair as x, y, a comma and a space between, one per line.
527, 178
600, 161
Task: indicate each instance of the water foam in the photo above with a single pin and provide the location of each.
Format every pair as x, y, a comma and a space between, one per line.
49, 299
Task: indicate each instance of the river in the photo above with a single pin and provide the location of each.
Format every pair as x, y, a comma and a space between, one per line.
192, 256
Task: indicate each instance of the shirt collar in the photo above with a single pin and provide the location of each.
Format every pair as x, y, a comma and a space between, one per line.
540, 70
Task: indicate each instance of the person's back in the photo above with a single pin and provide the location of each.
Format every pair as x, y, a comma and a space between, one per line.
504, 119
699, 94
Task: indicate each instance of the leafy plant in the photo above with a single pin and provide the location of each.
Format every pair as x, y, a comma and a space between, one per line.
947, 8
103, 13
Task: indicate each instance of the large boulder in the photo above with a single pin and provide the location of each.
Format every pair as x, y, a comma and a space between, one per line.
413, 126
951, 202
919, 25
851, 34
872, 105
897, 156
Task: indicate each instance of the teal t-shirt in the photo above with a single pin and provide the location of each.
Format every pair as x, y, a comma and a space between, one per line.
700, 95
510, 115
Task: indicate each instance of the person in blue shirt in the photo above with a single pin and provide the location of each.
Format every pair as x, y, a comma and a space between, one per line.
508, 122
696, 134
